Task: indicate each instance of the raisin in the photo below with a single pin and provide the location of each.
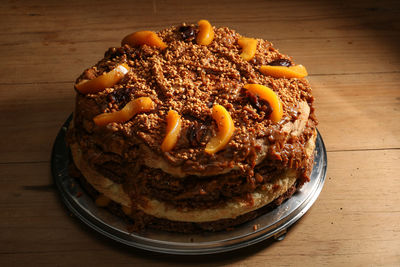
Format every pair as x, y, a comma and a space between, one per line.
187, 32
196, 134
121, 96
259, 104
281, 62
111, 52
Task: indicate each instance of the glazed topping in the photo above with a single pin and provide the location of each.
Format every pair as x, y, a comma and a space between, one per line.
141, 104
143, 37
249, 48
106, 80
173, 131
298, 71
226, 128
281, 62
270, 96
206, 33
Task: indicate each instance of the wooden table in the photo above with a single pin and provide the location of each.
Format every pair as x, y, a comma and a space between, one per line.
352, 53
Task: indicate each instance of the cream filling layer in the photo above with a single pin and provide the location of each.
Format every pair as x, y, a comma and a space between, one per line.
159, 209
232, 209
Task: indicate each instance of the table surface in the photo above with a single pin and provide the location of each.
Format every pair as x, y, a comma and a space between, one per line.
351, 50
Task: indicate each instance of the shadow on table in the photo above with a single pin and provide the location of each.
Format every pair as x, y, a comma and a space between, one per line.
149, 258
154, 258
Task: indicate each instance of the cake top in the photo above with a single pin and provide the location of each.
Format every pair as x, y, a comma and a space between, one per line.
191, 79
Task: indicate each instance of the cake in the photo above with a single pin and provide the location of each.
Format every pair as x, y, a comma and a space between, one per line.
192, 128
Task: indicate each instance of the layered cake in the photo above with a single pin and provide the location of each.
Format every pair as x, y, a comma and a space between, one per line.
193, 128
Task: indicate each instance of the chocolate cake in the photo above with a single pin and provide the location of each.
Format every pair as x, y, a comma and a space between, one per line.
193, 128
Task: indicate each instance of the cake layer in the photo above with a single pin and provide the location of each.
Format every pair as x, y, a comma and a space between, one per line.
190, 191
150, 206
134, 196
140, 221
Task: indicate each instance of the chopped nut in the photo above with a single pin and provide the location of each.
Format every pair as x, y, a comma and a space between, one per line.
259, 178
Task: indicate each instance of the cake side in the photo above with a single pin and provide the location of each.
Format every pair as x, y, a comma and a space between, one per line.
262, 160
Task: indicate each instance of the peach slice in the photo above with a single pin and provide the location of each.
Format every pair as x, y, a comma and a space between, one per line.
138, 105
298, 71
143, 37
226, 128
106, 80
249, 48
102, 201
270, 96
206, 33
126, 210
173, 131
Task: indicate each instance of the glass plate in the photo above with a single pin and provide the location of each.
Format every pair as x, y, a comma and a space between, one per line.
271, 224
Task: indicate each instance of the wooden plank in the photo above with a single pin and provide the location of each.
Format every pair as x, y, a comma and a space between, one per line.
337, 19
65, 61
67, 38
355, 220
351, 51
31, 118
358, 111
355, 112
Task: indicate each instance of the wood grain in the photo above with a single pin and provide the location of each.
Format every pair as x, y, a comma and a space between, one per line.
351, 51
323, 37
344, 225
